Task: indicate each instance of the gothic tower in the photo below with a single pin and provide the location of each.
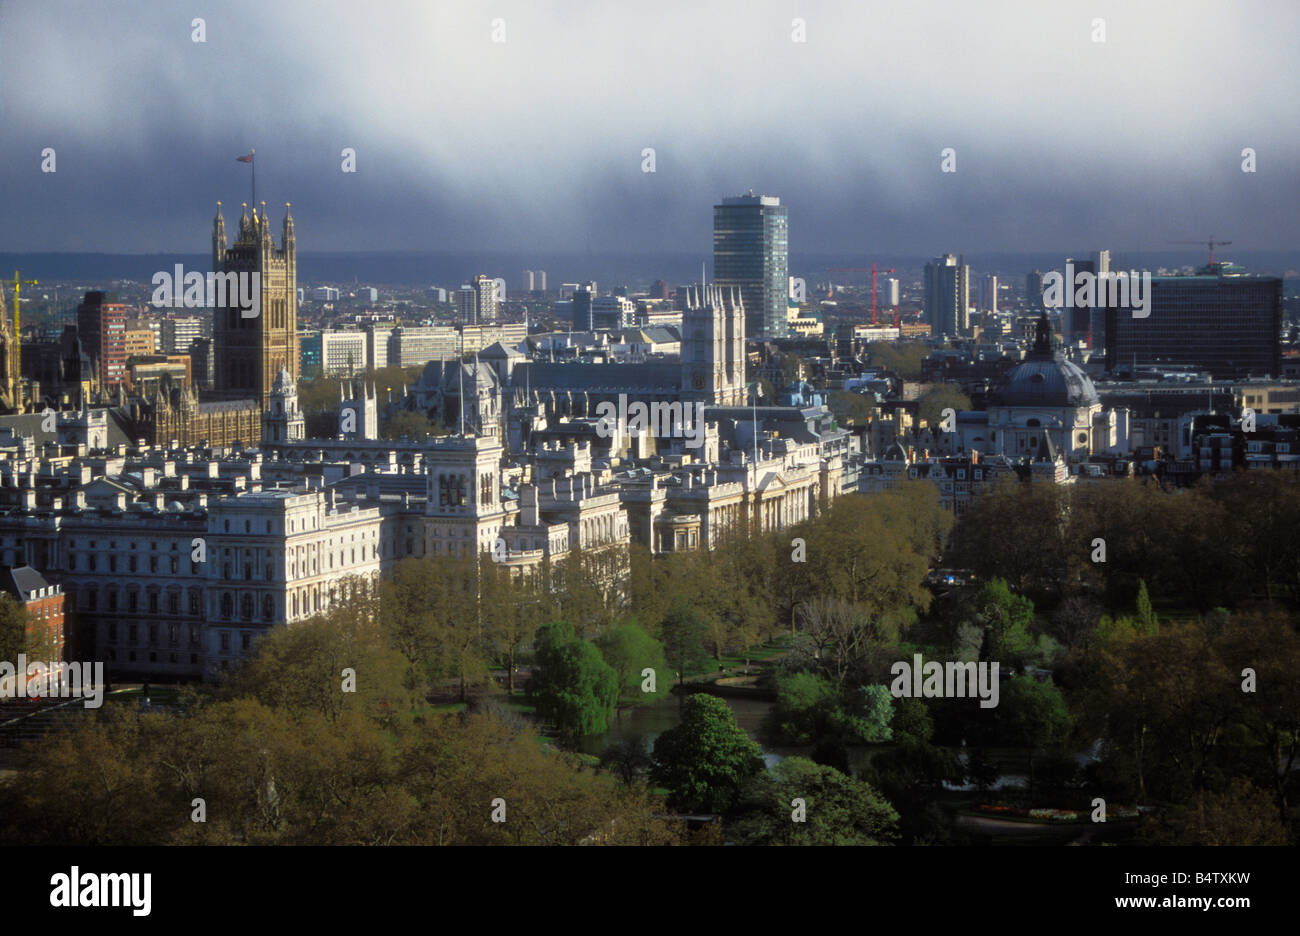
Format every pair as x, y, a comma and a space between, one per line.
250, 351
282, 421
713, 344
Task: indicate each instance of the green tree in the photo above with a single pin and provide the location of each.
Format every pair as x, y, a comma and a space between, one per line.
629, 651
1032, 714
1007, 619
850, 408
837, 809
682, 632
13, 629
705, 760
936, 399
573, 687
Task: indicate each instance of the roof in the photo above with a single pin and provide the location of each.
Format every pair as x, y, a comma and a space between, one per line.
30, 425
21, 581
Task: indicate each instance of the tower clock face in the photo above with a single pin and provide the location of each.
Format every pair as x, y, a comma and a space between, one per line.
698, 381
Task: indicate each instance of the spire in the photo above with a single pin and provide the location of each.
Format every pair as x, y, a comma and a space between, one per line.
286, 235
1043, 335
218, 238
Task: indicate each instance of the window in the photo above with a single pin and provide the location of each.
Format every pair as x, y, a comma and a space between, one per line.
246, 606
227, 605
268, 607
225, 640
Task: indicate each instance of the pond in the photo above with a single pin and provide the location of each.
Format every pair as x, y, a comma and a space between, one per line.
650, 721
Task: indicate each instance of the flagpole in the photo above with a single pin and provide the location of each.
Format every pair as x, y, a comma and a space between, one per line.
253, 163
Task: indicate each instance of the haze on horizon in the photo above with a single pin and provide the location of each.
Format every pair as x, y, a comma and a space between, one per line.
536, 143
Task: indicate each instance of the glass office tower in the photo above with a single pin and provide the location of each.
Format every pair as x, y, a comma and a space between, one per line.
751, 251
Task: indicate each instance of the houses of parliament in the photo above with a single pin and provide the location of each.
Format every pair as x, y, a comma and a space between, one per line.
248, 353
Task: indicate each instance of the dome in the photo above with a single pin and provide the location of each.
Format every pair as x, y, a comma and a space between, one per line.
1052, 383
283, 382
1046, 378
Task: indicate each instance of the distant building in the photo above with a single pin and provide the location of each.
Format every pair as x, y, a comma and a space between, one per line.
377, 345
139, 341
343, 352
988, 295
1225, 323
751, 246
179, 332
947, 296
368, 294
101, 326
487, 299
1034, 290
467, 304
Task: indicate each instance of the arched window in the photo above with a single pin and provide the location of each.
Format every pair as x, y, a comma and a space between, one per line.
268, 607
246, 605
227, 605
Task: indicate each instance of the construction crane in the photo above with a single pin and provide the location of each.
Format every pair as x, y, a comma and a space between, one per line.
15, 358
872, 270
1211, 243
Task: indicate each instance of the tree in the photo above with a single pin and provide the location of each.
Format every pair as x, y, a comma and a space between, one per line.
936, 399
1006, 618
850, 408
705, 760
574, 688
13, 629
410, 425
837, 809
682, 632
629, 651
302, 668
627, 758
1032, 714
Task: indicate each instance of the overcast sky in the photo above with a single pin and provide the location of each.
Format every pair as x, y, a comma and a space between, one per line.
536, 142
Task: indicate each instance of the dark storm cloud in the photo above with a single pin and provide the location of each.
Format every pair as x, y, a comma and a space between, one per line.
463, 143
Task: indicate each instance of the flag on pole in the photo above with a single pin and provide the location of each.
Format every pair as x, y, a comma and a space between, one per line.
247, 159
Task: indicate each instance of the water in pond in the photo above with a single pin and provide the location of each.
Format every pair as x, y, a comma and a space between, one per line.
650, 721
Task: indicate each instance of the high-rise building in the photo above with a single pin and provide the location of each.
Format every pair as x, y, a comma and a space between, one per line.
101, 326
988, 297
889, 292
582, 300
539, 280
467, 304
179, 332
526, 281
947, 296
1226, 323
1034, 290
250, 352
377, 345
751, 247
489, 298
